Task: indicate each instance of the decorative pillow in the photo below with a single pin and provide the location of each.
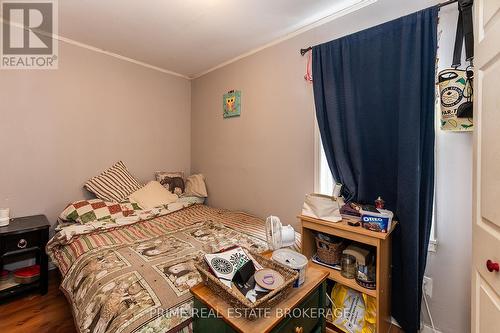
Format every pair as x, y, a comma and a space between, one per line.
195, 186
114, 184
172, 181
152, 195
84, 211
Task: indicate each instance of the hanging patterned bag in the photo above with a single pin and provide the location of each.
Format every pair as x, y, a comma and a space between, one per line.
455, 85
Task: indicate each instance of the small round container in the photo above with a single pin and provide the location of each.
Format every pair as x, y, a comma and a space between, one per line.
27, 274
366, 275
295, 261
348, 266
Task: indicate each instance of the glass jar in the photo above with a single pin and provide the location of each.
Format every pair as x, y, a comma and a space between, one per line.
366, 274
348, 266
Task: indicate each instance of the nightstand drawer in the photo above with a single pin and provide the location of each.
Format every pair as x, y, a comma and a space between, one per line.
22, 241
306, 319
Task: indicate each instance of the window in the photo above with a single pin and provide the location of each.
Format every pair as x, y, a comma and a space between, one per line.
323, 176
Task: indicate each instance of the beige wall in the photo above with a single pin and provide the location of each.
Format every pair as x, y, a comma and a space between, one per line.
261, 162
60, 127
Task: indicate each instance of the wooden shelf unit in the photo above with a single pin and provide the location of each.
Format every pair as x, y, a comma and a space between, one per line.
382, 244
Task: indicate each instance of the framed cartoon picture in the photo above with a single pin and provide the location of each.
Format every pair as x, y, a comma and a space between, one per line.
231, 104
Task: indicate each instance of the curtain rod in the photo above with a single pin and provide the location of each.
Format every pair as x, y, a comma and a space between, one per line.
307, 49
304, 51
447, 3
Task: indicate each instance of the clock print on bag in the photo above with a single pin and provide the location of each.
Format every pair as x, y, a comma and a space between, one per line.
451, 96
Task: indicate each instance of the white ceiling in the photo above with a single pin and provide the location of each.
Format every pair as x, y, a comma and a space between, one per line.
188, 37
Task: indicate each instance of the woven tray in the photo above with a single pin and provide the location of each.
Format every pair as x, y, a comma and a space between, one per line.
236, 299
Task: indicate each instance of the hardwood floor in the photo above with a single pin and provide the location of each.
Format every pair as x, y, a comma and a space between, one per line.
38, 314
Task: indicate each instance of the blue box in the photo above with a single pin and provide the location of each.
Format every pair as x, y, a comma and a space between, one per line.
380, 222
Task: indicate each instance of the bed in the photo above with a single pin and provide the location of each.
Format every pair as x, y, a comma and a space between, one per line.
136, 276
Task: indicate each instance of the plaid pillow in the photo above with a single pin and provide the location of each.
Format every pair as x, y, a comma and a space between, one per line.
114, 184
85, 211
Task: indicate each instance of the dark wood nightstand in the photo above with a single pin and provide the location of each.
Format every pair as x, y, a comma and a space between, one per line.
24, 237
306, 299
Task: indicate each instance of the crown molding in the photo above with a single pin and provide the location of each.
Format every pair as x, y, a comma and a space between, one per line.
118, 56
99, 50
319, 22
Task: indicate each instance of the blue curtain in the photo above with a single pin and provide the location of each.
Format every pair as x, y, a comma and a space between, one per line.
374, 97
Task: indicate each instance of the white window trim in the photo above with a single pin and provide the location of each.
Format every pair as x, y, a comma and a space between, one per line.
317, 157
323, 183
433, 242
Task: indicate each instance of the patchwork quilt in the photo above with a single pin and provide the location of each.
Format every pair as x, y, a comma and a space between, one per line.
136, 277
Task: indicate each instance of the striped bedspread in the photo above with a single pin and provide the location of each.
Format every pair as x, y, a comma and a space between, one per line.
117, 279
63, 254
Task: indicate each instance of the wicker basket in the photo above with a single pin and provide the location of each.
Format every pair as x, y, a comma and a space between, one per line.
329, 253
236, 299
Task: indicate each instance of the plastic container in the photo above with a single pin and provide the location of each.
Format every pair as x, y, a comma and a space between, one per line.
27, 274
366, 275
295, 261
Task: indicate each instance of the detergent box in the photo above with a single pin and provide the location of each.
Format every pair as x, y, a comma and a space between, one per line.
376, 219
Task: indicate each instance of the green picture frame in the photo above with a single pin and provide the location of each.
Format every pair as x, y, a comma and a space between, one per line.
231, 104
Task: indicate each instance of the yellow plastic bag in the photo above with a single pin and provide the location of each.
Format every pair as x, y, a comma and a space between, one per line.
353, 312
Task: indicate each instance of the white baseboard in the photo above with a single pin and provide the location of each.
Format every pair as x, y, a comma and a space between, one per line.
427, 329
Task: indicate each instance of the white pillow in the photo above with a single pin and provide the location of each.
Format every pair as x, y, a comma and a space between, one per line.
195, 186
152, 195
